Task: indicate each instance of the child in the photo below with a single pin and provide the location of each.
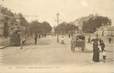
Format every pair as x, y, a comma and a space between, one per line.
104, 55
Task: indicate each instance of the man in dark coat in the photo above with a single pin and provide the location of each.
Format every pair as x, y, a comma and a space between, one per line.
35, 38
109, 39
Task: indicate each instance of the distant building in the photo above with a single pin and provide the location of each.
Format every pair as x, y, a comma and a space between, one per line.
110, 31
105, 31
79, 22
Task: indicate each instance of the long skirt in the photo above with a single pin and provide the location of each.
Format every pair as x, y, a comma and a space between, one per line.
96, 55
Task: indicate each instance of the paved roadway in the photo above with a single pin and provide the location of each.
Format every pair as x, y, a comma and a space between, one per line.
48, 51
50, 56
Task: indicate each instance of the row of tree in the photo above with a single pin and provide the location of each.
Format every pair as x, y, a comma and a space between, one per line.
65, 28
94, 22
11, 21
89, 24
40, 28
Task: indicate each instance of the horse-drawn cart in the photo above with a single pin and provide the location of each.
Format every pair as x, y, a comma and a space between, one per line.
78, 41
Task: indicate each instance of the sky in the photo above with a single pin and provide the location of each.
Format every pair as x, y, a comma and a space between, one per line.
69, 10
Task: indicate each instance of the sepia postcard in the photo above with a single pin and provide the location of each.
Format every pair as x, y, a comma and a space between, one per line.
56, 36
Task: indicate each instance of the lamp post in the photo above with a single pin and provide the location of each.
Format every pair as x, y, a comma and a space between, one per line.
57, 24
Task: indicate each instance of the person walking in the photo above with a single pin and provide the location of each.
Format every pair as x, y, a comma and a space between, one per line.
23, 40
89, 39
96, 51
110, 40
35, 38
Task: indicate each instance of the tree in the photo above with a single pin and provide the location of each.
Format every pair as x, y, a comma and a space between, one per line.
46, 27
35, 27
6, 12
6, 27
22, 20
61, 28
66, 28
5, 32
6, 16
95, 22
71, 28
41, 28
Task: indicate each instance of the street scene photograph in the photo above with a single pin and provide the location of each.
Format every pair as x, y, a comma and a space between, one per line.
75, 35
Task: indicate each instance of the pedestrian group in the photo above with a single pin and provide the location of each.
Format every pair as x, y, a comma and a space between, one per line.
98, 48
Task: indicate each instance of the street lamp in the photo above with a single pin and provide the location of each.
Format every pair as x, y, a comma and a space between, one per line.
57, 24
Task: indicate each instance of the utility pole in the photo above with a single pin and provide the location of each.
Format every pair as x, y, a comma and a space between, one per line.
57, 18
57, 24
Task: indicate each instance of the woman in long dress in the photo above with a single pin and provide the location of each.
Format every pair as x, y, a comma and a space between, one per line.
95, 51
